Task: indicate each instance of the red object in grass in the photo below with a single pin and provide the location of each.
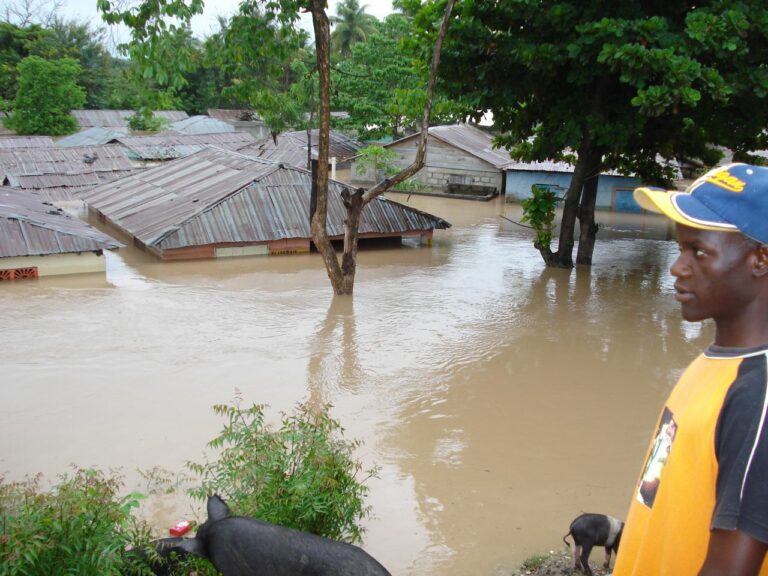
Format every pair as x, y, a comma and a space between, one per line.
180, 528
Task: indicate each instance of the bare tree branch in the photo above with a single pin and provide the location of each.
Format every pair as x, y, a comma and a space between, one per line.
24, 13
421, 152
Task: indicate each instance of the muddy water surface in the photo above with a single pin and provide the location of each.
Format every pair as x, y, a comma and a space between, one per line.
499, 399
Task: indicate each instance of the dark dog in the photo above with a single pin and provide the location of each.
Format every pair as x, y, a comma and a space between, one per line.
239, 546
590, 530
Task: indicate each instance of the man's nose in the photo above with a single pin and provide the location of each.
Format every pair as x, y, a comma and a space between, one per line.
679, 267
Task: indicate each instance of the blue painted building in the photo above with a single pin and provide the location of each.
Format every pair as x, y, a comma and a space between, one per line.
614, 192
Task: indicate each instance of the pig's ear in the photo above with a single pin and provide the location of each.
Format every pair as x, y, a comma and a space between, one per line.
217, 508
191, 546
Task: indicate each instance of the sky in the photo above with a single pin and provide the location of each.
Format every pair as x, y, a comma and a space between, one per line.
85, 10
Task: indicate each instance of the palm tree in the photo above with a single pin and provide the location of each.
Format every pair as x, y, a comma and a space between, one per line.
351, 25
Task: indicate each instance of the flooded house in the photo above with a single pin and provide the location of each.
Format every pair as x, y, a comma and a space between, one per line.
38, 239
242, 120
55, 173
15, 142
614, 191
170, 145
460, 161
297, 148
218, 203
94, 136
118, 119
201, 124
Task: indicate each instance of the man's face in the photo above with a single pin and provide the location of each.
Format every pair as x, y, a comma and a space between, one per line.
714, 274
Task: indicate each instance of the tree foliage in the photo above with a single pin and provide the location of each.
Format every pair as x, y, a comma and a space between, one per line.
613, 83
47, 92
302, 475
351, 25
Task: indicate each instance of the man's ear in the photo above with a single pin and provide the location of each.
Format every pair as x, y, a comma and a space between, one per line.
760, 267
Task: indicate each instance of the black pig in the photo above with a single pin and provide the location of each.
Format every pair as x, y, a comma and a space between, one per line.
167, 553
239, 546
590, 530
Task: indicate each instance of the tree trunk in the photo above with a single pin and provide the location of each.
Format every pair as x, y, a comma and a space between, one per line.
342, 276
563, 258
319, 228
588, 233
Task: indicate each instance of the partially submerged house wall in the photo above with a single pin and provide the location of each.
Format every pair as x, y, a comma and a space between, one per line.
57, 264
273, 248
613, 192
444, 165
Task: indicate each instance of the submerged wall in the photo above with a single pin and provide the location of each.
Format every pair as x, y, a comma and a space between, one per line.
57, 264
613, 192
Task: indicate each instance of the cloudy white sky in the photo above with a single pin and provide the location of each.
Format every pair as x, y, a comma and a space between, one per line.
85, 10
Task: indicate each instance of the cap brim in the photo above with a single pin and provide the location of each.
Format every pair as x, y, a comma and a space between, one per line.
682, 208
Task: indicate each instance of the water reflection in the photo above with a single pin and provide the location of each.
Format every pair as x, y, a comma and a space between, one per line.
499, 398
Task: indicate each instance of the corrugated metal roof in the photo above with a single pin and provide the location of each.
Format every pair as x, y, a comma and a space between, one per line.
201, 125
26, 142
55, 172
92, 136
217, 196
168, 146
234, 115
468, 138
291, 148
74, 160
119, 118
30, 227
286, 151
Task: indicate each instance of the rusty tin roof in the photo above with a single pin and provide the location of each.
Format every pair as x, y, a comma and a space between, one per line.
119, 118
56, 172
31, 227
26, 142
291, 148
170, 145
219, 196
467, 138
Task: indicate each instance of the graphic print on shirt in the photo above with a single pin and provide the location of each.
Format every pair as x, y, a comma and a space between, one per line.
662, 444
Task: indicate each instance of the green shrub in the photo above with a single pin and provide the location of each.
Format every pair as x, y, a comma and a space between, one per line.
302, 475
539, 212
143, 120
82, 526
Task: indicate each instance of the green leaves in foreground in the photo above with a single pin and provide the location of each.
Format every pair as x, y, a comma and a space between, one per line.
302, 475
81, 526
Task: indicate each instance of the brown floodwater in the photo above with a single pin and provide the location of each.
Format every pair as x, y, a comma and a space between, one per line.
498, 398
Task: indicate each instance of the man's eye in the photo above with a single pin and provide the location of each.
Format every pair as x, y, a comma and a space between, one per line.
698, 253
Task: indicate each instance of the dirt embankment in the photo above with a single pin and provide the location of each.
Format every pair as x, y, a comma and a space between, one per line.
560, 563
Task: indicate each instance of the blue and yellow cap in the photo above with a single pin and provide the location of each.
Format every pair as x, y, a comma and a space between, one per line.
731, 198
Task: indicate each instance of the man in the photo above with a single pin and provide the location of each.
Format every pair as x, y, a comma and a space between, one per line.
701, 503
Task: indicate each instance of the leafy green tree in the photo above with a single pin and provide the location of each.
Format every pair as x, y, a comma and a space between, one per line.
16, 43
351, 26
381, 85
269, 65
47, 92
72, 39
609, 84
